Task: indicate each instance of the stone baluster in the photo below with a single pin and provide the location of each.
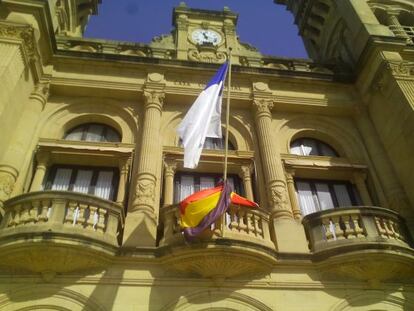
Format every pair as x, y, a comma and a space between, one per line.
169, 171
142, 219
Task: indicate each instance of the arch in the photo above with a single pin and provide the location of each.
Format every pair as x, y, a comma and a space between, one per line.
47, 297
83, 110
81, 132
373, 301
216, 300
239, 133
344, 140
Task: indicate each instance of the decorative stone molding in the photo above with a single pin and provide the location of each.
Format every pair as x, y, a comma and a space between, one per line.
8, 176
23, 33
207, 56
402, 68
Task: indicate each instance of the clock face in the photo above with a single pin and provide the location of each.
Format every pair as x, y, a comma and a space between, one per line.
203, 36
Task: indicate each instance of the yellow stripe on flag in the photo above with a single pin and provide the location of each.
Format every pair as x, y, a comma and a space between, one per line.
196, 211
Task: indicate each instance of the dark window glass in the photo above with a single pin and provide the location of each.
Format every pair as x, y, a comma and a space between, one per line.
101, 182
186, 184
318, 195
310, 146
214, 144
93, 132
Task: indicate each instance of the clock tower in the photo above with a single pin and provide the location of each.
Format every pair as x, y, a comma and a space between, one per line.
205, 36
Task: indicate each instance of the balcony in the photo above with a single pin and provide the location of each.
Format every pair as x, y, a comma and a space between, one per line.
238, 243
57, 231
405, 32
362, 242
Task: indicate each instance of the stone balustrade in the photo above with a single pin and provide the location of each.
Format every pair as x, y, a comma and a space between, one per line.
73, 215
354, 225
406, 32
239, 223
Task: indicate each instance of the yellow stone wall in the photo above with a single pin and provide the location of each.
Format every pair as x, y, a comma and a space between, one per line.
136, 259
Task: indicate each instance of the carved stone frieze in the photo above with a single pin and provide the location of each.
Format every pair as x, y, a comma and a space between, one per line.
20, 32
207, 56
402, 68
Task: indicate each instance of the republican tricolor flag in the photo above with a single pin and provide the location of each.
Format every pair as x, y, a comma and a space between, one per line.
203, 119
201, 209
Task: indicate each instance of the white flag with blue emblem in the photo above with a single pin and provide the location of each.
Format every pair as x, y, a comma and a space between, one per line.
203, 119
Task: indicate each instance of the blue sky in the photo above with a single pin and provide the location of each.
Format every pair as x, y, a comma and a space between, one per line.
263, 24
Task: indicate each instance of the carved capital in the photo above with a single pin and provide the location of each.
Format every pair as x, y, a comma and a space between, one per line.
262, 106
169, 168
245, 172
402, 68
154, 99
41, 92
23, 33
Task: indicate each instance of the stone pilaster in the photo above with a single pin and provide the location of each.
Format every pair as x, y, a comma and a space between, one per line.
292, 194
123, 177
272, 164
16, 157
245, 174
42, 159
169, 172
142, 219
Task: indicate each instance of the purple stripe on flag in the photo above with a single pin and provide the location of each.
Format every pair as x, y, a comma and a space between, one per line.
221, 207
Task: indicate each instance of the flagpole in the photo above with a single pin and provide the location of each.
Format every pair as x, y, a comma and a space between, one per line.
226, 149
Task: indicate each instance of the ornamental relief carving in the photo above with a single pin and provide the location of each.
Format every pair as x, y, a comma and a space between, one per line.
278, 196
208, 56
145, 192
6, 186
402, 68
24, 33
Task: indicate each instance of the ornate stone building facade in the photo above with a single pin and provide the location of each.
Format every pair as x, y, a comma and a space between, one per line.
91, 166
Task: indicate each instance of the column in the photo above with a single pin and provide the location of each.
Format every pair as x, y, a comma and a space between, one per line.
123, 178
396, 27
18, 153
292, 194
272, 164
142, 218
245, 175
287, 233
169, 171
359, 182
40, 172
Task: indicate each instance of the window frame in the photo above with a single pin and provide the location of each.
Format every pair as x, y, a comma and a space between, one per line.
318, 143
85, 130
52, 170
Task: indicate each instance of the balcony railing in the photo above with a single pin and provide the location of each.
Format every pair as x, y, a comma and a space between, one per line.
73, 215
239, 223
406, 32
354, 226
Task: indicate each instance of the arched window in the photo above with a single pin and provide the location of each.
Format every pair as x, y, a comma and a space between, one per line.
311, 146
93, 132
